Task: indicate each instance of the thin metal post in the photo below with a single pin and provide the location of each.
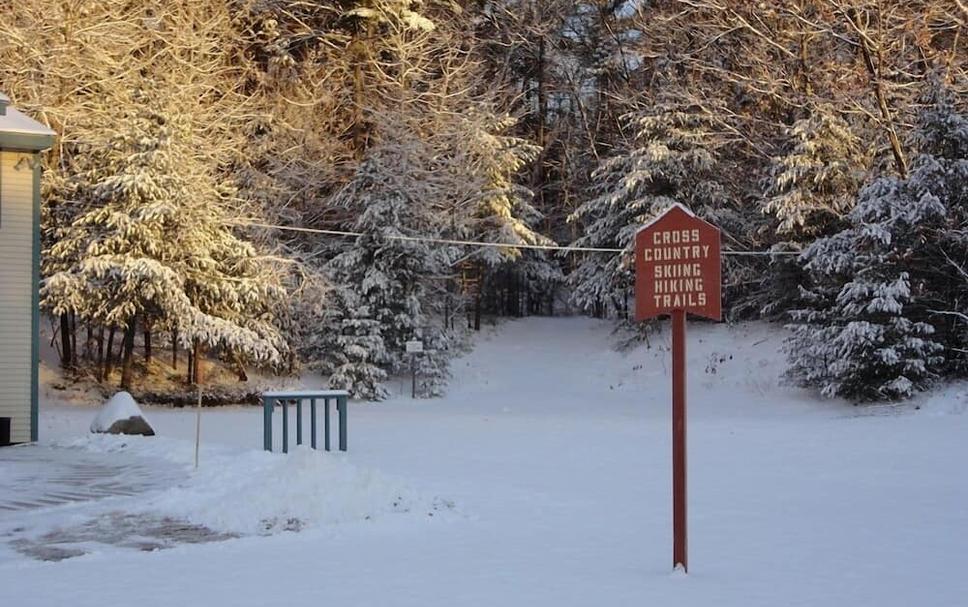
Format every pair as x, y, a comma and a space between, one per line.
326, 422
285, 425
198, 426
341, 405
312, 421
267, 404
679, 544
298, 421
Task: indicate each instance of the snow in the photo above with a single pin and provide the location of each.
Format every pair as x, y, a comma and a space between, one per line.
119, 407
547, 471
256, 492
243, 491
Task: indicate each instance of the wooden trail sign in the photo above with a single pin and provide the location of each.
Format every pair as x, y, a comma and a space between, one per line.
678, 270
677, 266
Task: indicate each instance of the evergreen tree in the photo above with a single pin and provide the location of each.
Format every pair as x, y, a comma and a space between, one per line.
501, 209
153, 244
433, 365
671, 158
384, 270
817, 180
811, 186
881, 298
505, 210
355, 353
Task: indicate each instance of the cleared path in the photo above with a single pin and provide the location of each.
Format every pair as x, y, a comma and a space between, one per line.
38, 476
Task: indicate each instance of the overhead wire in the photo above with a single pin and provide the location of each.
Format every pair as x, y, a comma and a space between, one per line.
475, 243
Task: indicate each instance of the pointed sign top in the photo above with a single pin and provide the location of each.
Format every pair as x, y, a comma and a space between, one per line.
675, 207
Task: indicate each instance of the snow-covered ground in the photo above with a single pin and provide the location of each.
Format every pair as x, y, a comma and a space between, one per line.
542, 479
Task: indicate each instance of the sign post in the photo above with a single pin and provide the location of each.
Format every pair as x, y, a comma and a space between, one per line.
414, 347
678, 271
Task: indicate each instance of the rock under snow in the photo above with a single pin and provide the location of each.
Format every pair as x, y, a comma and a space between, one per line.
121, 415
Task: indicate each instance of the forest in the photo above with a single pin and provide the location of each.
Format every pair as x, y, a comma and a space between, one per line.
280, 185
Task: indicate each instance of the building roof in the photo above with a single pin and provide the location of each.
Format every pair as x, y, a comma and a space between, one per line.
19, 131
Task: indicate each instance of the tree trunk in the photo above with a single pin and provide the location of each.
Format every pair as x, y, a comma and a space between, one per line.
174, 349
358, 55
447, 305
874, 61
108, 355
240, 369
65, 331
100, 349
147, 326
190, 370
127, 352
477, 307
198, 371
538, 172
87, 342
73, 339
358, 133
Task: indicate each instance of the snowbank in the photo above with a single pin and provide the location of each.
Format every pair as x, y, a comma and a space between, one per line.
120, 408
249, 492
257, 492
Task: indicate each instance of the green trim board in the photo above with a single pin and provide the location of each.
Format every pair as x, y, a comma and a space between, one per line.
35, 312
25, 142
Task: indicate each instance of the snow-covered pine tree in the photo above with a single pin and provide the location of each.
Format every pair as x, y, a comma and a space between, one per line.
485, 200
859, 345
153, 243
355, 353
882, 295
812, 184
941, 171
385, 274
816, 180
498, 208
433, 365
671, 157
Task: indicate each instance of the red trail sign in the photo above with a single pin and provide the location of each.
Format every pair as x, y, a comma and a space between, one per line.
678, 270
677, 266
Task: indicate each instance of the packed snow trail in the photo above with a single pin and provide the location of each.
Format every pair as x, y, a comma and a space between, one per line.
555, 450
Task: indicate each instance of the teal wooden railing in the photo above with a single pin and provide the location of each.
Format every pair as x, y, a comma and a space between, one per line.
270, 399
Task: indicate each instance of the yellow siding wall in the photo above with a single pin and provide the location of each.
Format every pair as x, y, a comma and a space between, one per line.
16, 258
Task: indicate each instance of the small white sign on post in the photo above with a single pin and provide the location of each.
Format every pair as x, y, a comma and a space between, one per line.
414, 347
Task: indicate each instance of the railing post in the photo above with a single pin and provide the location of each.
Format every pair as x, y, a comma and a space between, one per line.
341, 405
267, 423
285, 425
299, 421
312, 421
326, 423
